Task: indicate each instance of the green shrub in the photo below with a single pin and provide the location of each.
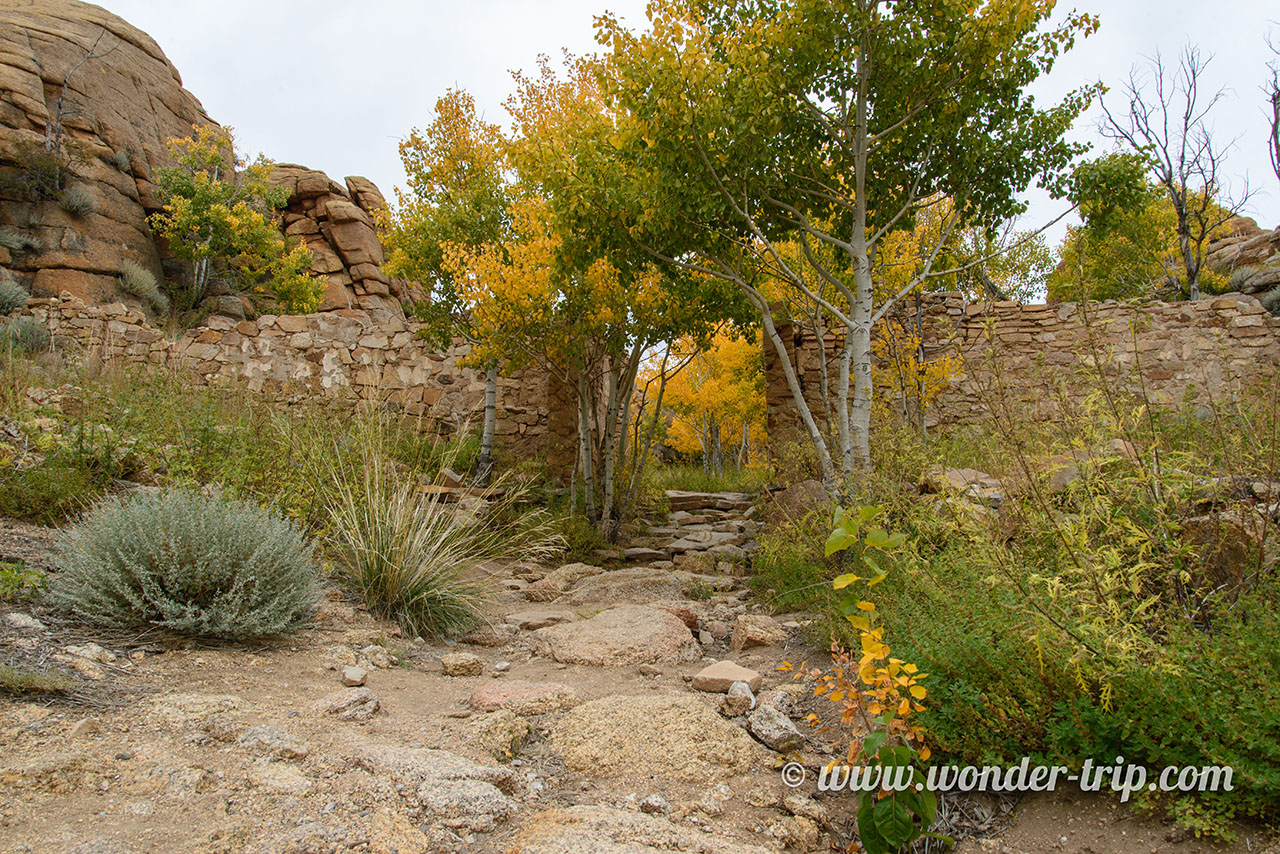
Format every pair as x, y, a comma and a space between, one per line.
78, 201
36, 173
416, 559
18, 582
23, 335
25, 682
788, 569
138, 281
12, 296
189, 563
52, 491
16, 241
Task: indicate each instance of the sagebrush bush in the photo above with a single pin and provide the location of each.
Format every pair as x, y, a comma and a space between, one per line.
16, 241
23, 335
12, 296
138, 281
1271, 301
190, 563
78, 201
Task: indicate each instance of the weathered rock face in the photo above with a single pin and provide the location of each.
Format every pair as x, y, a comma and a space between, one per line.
120, 108
1250, 255
336, 223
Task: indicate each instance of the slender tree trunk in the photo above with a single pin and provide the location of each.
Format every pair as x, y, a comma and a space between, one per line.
717, 449
610, 436
1193, 269
864, 296
585, 446
842, 402
824, 379
485, 468
797, 395
642, 456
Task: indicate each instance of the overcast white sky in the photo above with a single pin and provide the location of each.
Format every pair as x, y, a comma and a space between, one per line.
334, 84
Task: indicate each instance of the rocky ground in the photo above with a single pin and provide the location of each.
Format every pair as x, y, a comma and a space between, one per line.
618, 710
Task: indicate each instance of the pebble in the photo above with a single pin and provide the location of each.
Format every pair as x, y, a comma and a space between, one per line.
354, 677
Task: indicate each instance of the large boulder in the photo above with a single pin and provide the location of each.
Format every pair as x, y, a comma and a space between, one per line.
678, 736
1248, 254
628, 634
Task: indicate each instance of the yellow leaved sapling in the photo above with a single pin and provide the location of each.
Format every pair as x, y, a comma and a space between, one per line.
876, 696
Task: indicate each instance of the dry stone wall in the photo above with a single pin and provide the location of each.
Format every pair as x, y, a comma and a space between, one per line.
1048, 356
340, 356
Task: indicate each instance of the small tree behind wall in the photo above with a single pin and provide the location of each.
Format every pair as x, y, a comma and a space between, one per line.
219, 216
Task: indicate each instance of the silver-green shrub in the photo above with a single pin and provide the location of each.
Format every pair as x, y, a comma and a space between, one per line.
190, 563
23, 335
16, 241
1271, 302
78, 201
12, 296
138, 281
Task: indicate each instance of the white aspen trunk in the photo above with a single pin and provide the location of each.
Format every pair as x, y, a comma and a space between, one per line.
585, 447
797, 396
842, 406
864, 297
609, 449
485, 468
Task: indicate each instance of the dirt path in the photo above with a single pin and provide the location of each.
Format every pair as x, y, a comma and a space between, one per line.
571, 725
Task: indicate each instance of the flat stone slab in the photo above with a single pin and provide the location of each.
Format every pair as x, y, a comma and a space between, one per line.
688, 501
523, 698
702, 541
627, 634
637, 585
719, 677
539, 618
450, 789
606, 830
640, 554
757, 630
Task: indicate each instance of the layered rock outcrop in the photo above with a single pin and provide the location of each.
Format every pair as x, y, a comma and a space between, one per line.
119, 101
1250, 255
119, 107
336, 222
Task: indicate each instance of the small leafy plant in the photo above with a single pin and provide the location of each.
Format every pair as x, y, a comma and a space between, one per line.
876, 695
17, 581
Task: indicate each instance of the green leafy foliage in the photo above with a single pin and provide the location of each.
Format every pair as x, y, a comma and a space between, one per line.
190, 563
18, 581
221, 221
1128, 250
